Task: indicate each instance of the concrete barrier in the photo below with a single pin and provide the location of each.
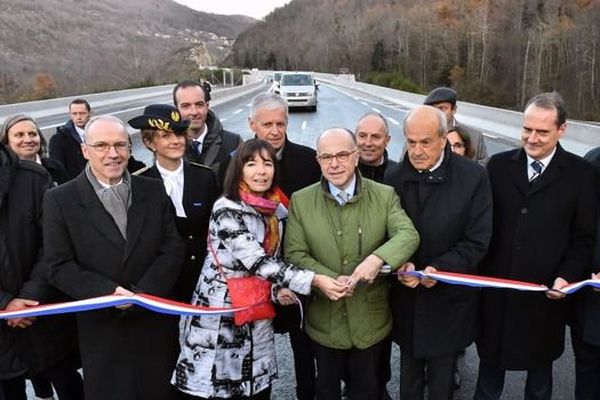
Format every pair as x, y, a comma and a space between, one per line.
579, 138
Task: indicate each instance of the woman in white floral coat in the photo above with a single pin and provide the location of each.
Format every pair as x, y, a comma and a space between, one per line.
218, 359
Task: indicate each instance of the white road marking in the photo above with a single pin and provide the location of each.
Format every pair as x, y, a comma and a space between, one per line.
364, 104
239, 110
376, 110
222, 119
393, 121
490, 135
249, 105
303, 125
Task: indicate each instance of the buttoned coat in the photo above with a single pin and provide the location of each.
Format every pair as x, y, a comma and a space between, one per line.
541, 231
65, 146
199, 194
125, 354
451, 208
324, 237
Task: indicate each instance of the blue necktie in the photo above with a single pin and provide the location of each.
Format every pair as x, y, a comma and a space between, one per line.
343, 197
196, 145
537, 168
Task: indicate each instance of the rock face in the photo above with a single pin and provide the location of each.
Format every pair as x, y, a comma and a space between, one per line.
62, 47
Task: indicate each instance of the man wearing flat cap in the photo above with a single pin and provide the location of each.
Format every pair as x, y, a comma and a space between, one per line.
107, 232
444, 99
191, 187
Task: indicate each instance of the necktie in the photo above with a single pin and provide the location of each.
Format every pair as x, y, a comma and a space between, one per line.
197, 146
537, 167
343, 197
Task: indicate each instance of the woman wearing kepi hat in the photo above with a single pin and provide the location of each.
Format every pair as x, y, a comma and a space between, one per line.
191, 187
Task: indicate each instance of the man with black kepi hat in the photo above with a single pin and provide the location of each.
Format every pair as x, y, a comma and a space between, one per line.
191, 187
444, 99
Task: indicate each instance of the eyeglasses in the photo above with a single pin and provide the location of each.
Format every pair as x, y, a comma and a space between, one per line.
102, 147
342, 156
457, 145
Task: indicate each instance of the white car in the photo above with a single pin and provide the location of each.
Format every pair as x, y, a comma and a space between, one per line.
299, 89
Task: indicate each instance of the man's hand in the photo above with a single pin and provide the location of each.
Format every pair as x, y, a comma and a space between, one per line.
121, 291
348, 283
17, 304
367, 270
286, 297
331, 288
408, 280
554, 293
428, 282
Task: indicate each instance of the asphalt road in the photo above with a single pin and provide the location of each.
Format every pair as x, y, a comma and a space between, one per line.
343, 108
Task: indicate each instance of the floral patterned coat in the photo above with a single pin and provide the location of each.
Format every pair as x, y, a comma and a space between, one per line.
218, 358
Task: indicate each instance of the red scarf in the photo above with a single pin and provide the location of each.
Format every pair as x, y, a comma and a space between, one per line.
266, 206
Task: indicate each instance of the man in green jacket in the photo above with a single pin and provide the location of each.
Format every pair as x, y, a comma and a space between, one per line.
348, 227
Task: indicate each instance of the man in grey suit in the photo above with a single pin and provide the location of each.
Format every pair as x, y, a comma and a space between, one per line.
444, 99
107, 232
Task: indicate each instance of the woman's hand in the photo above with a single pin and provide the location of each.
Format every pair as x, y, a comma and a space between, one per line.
286, 297
331, 288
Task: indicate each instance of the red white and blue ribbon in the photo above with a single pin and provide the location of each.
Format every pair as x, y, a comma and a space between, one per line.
152, 303
454, 278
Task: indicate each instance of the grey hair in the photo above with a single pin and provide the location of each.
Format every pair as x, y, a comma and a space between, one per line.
443, 125
270, 101
15, 119
376, 115
108, 118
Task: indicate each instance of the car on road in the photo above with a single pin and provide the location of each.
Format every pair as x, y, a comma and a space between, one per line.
299, 89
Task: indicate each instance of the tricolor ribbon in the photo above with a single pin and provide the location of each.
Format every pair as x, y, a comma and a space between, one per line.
454, 278
152, 303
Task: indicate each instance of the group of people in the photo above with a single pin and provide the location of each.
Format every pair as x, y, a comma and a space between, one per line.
324, 227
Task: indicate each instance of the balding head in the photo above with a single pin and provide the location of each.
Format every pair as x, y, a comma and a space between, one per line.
337, 154
425, 133
106, 147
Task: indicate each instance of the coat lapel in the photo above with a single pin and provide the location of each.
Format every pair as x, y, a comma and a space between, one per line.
518, 171
553, 171
135, 216
94, 211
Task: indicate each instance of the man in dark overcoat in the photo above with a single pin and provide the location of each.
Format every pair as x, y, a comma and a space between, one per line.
544, 229
448, 198
111, 233
297, 168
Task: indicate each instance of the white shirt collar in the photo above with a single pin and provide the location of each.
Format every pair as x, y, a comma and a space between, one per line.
350, 188
203, 135
80, 132
106, 185
173, 182
545, 162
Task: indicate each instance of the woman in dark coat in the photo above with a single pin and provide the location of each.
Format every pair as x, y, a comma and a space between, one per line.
48, 345
191, 187
23, 136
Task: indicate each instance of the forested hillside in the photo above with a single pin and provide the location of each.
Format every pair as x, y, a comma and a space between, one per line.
59, 47
497, 52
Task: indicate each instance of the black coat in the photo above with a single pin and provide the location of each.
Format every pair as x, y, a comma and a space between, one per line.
57, 171
65, 146
586, 303
541, 231
23, 274
199, 194
451, 209
376, 173
217, 147
297, 169
126, 354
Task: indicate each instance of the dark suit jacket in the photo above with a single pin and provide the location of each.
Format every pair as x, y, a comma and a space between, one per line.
65, 146
125, 354
199, 194
540, 232
298, 168
217, 147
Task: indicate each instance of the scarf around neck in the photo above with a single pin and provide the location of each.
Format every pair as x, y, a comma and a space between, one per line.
116, 199
266, 206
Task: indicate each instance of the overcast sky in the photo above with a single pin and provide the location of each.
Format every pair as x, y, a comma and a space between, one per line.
253, 8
